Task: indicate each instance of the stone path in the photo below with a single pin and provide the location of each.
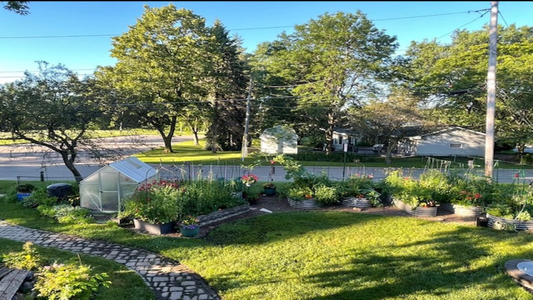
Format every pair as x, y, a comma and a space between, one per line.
167, 278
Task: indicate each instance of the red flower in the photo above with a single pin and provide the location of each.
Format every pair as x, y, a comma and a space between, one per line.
516, 175
272, 162
477, 196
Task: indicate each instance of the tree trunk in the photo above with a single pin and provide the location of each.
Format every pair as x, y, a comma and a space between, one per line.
194, 130
167, 139
69, 163
329, 133
214, 129
388, 155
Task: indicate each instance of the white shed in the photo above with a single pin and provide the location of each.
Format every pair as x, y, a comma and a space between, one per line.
279, 139
452, 141
104, 189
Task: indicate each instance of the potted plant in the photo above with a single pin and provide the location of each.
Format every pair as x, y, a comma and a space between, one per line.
189, 226
154, 206
269, 188
24, 190
249, 179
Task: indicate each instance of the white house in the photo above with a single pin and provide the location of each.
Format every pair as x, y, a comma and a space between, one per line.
279, 140
452, 141
342, 137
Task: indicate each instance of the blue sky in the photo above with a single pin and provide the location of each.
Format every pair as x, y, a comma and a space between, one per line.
22, 41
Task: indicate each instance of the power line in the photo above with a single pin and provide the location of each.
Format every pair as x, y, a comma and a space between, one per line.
486, 11
236, 29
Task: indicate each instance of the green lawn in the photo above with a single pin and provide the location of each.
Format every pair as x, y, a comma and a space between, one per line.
187, 152
332, 255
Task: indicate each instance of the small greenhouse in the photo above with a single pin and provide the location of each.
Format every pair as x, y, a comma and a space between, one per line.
104, 189
279, 139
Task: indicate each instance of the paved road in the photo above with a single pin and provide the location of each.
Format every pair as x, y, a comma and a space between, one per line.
26, 163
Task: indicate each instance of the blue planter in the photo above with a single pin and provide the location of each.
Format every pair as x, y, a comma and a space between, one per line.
21, 196
269, 191
189, 232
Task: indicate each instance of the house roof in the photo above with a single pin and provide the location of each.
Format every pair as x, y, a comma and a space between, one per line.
448, 129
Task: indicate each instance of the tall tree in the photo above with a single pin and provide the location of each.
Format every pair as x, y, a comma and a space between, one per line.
227, 89
391, 120
53, 108
333, 62
162, 65
19, 7
453, 77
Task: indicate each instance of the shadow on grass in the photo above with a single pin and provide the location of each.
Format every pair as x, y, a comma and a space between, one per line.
458, 261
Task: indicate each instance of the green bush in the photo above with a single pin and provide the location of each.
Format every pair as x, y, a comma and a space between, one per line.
69, 281
300, 193
326, 195
28, 259
67, 214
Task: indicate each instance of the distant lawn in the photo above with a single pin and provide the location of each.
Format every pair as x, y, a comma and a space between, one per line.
331, 255
187, 152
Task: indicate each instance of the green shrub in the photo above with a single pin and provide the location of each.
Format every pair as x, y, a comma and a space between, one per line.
66, 213
326, 195
39, 197
300, 193
28, 259
69, 281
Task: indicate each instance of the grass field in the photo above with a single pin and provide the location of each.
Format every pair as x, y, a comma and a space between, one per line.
331, 255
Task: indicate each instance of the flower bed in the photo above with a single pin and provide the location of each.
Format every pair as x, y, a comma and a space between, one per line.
461, 210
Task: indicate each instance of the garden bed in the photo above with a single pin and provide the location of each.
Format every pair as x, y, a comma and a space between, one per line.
418, 211
362, 203
519, 225
460, 210
223, 214
304, 204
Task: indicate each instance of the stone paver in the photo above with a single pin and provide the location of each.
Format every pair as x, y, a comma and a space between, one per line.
168, 279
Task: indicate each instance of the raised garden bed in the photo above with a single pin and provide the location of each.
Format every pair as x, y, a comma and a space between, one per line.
460, 210
417, 211
304, 204
499, 223
356, 202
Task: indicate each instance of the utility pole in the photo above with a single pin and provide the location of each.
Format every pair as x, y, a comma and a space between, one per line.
247, 122
491, 90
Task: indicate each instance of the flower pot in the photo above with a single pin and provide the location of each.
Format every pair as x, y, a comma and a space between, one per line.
188, 232
269, 191
21, 195
164, 228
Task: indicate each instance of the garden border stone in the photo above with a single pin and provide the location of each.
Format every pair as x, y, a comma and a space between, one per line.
223, 214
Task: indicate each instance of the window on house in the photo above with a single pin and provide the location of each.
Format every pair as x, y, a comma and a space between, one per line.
456, 145
340, 139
